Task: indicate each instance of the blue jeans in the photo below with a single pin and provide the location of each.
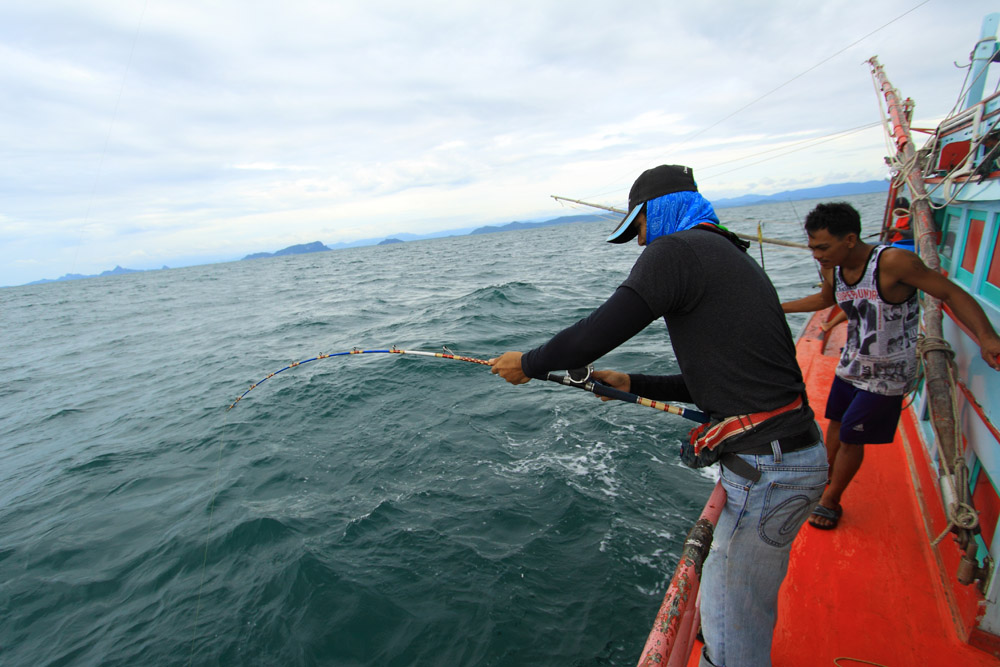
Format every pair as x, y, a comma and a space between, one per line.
749, 554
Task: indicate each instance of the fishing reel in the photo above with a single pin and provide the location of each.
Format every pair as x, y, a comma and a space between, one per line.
579, 376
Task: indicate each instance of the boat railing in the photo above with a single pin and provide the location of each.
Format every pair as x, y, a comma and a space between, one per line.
676, 626
956, 122
969, 153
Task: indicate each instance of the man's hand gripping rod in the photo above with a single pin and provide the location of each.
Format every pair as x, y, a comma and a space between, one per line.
580, 378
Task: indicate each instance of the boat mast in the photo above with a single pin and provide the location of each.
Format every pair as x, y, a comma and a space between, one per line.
982, 55
936, 358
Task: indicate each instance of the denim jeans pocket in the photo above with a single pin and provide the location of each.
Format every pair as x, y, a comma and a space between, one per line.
786, 507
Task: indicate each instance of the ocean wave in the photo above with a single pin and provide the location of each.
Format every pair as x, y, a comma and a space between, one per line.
371, 509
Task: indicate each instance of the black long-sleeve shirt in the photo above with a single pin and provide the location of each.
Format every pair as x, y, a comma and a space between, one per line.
725, 322
620, 317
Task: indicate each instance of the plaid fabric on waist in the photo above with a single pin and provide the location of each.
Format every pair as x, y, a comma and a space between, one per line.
710, 436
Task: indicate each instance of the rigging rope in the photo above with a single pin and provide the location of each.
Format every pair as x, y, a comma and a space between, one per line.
803, 73
961, 513
673, 148
904, 169
794, 147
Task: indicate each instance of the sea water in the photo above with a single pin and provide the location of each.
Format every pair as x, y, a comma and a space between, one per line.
357, 510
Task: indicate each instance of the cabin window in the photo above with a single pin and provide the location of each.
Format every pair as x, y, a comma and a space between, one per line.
991, 286
993, 276
970, 248
972, 242
948, 226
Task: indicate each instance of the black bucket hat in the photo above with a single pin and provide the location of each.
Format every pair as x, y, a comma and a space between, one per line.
651, 184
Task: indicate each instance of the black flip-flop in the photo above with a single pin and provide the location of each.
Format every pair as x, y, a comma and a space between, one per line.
833, 516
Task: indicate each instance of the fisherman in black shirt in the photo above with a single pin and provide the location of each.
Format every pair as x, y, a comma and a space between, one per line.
738, 365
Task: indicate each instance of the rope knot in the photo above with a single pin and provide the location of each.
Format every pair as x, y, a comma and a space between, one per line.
926, 344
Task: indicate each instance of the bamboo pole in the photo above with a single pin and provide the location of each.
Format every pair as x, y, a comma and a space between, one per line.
936, 362
745, 237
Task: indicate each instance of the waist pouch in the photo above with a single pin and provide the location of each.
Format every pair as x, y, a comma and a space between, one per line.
704, 445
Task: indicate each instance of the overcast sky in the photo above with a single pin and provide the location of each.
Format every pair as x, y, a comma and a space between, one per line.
142, 133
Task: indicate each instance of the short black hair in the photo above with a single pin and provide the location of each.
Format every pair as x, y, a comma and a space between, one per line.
839, 218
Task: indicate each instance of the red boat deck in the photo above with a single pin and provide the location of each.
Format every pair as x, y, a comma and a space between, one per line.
870, 590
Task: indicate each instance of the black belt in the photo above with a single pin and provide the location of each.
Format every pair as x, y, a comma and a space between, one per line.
792, 443
788, 444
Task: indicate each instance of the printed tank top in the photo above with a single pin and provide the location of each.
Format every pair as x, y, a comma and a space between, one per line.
880, 354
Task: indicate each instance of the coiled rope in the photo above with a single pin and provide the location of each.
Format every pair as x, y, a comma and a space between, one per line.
961, 514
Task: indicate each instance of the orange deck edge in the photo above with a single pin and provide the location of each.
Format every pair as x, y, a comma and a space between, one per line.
872, 588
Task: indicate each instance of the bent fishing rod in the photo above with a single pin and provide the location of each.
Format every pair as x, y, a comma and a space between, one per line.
580, 378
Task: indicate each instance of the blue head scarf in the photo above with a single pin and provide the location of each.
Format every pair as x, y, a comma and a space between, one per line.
675, 213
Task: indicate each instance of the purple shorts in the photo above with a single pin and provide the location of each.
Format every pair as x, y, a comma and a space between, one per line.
865, 418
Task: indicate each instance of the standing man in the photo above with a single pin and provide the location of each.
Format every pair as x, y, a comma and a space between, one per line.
876, 286
738, 365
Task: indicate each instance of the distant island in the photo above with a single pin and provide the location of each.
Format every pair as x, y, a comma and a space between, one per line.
117, 271
301, 249
823, 192
512, 226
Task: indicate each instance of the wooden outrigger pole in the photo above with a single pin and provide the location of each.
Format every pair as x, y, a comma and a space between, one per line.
936, 358
746, 237
939, 386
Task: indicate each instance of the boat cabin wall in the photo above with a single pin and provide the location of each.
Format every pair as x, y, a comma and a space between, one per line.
969, 255
966, 149
969, 234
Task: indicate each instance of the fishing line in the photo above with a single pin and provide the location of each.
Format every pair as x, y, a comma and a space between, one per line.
805, 235
392, 350
107, 139
579, 379
222, 446
208, 536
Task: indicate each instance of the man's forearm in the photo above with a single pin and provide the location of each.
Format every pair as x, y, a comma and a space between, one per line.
806, 304
971, 314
